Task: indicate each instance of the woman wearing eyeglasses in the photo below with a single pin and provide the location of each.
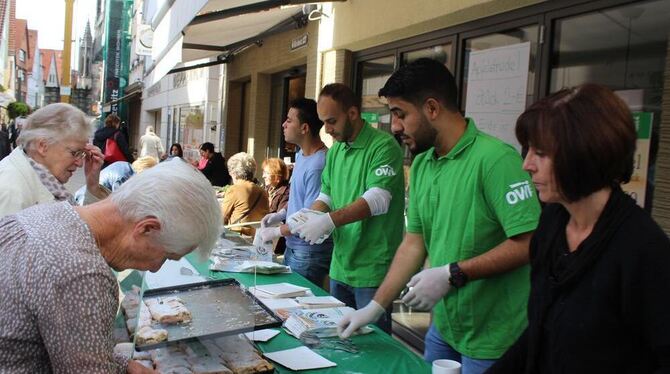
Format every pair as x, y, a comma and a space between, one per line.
52, 146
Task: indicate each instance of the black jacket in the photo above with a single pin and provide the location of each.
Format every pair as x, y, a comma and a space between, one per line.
604, 308
217, 171
5, 146
101, 136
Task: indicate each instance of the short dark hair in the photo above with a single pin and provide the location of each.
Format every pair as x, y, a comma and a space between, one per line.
420, 80
307, 114
207, 146
342, 95
588, 132
111, 120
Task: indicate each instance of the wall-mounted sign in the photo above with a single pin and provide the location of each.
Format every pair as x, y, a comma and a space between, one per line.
143, 40
637, 187
496, 89
299, 42
65, 90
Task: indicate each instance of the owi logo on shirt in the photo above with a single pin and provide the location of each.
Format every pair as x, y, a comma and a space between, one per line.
385, 170
519, 192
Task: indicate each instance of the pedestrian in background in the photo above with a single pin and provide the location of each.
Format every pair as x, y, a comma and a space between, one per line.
176, 151
151, 145
111, 131
5, 145
215, 168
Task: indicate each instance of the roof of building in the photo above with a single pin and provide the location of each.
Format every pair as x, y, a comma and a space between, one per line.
32, 48
47, 57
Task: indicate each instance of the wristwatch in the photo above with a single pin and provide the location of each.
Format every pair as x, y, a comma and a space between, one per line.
457, 277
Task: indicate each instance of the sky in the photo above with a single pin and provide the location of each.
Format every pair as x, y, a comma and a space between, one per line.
48, 17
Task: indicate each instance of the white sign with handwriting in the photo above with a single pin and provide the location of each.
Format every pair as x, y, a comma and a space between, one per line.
496, 89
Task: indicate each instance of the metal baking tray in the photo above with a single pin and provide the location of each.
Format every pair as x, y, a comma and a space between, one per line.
218, 308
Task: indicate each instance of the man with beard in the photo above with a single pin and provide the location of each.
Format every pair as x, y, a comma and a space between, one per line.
362, 194
472, 211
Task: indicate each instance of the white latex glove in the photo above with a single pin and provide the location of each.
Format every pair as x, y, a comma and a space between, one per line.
427, 288
268, 234
273, 218
359, 318
316, 228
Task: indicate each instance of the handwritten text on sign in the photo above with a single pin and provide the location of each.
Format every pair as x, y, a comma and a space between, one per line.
496, 89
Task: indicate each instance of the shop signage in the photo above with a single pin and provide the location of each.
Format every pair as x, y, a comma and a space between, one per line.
637, 186
299, 42
65, 90
143, 40
496, 89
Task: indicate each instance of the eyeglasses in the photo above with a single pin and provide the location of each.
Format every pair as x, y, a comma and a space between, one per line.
77, 155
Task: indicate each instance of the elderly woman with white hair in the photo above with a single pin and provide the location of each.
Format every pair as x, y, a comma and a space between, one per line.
51, 146
59, 296
244, 201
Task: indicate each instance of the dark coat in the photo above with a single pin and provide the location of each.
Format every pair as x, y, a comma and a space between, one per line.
217, 171
602, 308
105, 133
5, 146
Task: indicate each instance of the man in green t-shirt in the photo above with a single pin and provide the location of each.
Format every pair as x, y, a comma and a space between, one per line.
472, 211
362, 193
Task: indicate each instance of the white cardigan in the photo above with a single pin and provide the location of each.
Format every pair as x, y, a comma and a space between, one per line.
20, 187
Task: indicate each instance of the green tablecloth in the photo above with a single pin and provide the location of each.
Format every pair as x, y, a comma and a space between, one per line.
379, 352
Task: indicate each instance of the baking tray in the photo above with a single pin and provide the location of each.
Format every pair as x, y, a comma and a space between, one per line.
218, 308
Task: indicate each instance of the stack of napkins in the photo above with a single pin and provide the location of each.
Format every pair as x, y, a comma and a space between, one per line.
279, 290
318, 302
247, 266
298, 218
319, 322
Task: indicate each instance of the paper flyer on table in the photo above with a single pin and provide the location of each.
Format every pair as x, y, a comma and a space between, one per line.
301, 358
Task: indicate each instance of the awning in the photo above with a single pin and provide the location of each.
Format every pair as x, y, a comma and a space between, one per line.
184, 37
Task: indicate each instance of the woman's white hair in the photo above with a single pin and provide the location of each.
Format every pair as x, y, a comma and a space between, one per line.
242, 166
55, 123
181, 198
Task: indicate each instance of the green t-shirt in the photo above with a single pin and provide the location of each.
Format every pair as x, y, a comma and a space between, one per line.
363, 250
464, 204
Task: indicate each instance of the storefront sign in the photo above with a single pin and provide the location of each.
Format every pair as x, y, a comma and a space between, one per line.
637, 186
143, 40
299, 42
116, 54
496, 89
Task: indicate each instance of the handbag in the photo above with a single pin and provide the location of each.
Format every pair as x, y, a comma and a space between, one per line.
112, 151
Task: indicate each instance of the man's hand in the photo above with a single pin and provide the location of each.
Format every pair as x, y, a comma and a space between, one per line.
135, 367
359, 318
268, 234
427, 288
92, 165
316, 228
273, 218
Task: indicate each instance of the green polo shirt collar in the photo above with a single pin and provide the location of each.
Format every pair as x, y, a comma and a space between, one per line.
464, 142
363, 137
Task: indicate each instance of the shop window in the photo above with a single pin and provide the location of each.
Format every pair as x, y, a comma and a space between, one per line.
441, 53
624, 48
373, 76
191, 130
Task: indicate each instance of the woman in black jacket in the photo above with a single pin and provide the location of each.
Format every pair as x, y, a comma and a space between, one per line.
600, 266
111, 129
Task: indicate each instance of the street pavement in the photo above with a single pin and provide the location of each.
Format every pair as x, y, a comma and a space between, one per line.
76, 181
